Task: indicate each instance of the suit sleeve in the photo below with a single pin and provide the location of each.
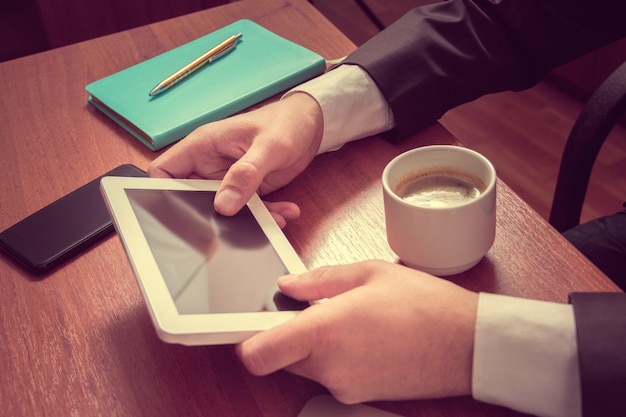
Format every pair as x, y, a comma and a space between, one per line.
601, 338
439, 56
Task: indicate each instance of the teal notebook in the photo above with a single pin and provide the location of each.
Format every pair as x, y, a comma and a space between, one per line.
261, 65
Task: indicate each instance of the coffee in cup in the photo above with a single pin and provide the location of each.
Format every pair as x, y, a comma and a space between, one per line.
439, 187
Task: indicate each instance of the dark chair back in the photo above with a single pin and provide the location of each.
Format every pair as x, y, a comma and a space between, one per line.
595, 122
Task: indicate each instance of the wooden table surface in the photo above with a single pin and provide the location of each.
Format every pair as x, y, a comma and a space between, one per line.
79, 341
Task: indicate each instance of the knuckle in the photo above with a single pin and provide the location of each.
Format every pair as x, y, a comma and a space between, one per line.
344, 391
253, 359
244, 173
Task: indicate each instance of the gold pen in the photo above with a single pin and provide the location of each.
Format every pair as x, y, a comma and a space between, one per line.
211, 55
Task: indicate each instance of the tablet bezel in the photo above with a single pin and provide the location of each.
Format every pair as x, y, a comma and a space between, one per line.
189, 329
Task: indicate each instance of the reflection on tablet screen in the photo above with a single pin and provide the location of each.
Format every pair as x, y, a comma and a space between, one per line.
210, 263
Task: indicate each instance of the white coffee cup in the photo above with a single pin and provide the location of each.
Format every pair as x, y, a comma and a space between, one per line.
443, 231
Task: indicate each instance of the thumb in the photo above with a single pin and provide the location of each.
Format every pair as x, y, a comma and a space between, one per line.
324, 282
241, 181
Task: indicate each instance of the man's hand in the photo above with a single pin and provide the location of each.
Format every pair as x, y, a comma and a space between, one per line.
384, 332
258, 151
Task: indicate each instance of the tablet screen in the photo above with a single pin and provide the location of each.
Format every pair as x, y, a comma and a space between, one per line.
210, 263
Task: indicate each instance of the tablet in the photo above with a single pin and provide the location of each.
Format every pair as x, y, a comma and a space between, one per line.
206, 278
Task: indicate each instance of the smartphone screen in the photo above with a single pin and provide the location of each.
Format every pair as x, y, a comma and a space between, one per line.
63, 228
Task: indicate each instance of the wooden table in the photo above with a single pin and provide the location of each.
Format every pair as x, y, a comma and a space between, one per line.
79, 341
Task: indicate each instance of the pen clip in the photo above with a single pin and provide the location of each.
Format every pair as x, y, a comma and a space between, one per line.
226, 50
221, 53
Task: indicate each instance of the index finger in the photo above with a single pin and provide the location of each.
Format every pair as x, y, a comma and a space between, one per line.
193, 157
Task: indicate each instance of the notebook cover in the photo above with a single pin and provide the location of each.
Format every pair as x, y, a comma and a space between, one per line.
263, 64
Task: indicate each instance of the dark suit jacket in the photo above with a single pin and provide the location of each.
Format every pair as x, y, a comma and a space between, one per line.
439, 56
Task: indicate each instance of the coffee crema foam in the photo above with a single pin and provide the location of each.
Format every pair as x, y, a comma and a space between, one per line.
439, 188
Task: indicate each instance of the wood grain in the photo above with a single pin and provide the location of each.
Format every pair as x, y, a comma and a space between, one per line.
79, 341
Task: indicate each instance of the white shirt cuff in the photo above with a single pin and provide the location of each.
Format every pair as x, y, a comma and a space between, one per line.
352, 105
526, 357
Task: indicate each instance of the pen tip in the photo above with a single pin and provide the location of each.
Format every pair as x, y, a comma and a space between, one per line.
156, 90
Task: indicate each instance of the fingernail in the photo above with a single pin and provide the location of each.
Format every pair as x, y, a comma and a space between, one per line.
228, 201
286, 279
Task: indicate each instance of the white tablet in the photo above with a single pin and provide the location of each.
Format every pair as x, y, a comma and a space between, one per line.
206, 278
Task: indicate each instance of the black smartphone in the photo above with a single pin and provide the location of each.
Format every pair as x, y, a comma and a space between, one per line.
63, 228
